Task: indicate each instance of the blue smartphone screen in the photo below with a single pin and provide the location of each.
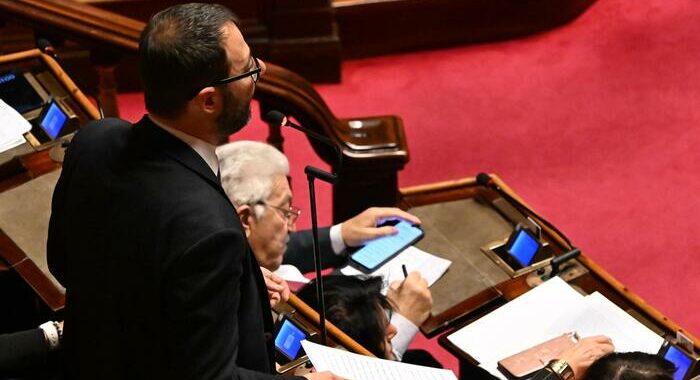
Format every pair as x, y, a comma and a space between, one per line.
680, 360
53, 121
288, 340
524, 248
379, 250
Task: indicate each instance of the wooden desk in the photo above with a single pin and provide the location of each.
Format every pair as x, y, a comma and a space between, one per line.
21, 169
473, 285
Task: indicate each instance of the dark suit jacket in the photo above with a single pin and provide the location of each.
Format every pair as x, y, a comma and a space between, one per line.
22, 351
161, 282
300, 251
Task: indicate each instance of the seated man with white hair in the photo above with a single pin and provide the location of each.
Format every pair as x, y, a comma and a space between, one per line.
254, 176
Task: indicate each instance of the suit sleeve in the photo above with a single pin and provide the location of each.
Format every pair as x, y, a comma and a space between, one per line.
55, 247
300, 251
23, 350
202, 310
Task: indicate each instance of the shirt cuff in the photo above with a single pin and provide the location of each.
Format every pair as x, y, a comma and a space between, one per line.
337, 242
51, 334
405, 332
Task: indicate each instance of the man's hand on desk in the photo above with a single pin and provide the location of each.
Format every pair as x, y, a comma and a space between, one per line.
363, 227
326, 375
277, 288
411, 298
585, 352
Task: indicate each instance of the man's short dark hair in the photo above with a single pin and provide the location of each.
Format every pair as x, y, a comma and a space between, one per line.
630, 366
181, 51
353, 305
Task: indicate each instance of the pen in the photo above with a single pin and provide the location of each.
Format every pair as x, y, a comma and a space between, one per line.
405, 272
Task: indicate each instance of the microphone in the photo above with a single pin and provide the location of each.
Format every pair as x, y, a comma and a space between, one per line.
561, 259
47, 48
277, 117
485, 180
313, 173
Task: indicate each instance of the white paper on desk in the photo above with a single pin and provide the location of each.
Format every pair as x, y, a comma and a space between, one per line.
517, 325
358, 367
12, 127
598, 315
431, 267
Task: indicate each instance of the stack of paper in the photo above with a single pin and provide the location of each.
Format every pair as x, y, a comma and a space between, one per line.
12, 127
430, 266
545, 312
358, 367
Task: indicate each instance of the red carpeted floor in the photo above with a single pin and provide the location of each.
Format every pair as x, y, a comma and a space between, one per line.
596, 124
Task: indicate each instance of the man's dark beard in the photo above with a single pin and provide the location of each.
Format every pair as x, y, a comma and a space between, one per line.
233, 117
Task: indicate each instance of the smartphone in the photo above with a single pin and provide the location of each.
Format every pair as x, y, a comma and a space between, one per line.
377, 252
288, 340
684, 362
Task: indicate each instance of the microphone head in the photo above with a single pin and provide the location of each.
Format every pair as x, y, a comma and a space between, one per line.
276, 117
44, 45
483, 179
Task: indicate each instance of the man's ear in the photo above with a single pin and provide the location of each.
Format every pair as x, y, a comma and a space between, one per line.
208, 100
245, 213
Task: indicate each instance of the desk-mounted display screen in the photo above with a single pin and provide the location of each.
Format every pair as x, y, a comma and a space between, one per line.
523, 246
680, 360
53, 120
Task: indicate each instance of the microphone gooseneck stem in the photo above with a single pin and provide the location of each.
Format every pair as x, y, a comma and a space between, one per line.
317, 256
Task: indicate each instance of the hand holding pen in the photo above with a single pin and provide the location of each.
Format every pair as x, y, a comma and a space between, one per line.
411, 297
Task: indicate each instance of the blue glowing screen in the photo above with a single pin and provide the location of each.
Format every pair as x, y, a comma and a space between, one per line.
379, 250
54, 121
524, 248
288, 340
680, 360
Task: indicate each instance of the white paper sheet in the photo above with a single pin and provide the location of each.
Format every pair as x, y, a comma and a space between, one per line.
598, 315
358, 367
291, 273
12, 127
431, 267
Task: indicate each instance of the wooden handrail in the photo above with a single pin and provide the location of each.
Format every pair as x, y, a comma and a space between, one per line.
335, 333
85, 23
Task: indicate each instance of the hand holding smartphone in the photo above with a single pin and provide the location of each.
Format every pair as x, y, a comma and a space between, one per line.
377, 252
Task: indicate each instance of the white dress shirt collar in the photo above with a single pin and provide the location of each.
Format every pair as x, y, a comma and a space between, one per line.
204, 149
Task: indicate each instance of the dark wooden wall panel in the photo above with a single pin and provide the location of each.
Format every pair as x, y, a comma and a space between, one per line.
370, 27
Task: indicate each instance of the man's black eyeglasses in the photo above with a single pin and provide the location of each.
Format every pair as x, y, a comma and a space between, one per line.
254, 74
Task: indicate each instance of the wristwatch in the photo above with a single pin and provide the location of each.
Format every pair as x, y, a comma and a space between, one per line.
561, 368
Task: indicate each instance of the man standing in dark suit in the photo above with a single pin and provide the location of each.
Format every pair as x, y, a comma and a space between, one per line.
160, 280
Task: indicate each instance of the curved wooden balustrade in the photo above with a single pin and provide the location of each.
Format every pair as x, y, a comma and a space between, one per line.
89, 25
374, 148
